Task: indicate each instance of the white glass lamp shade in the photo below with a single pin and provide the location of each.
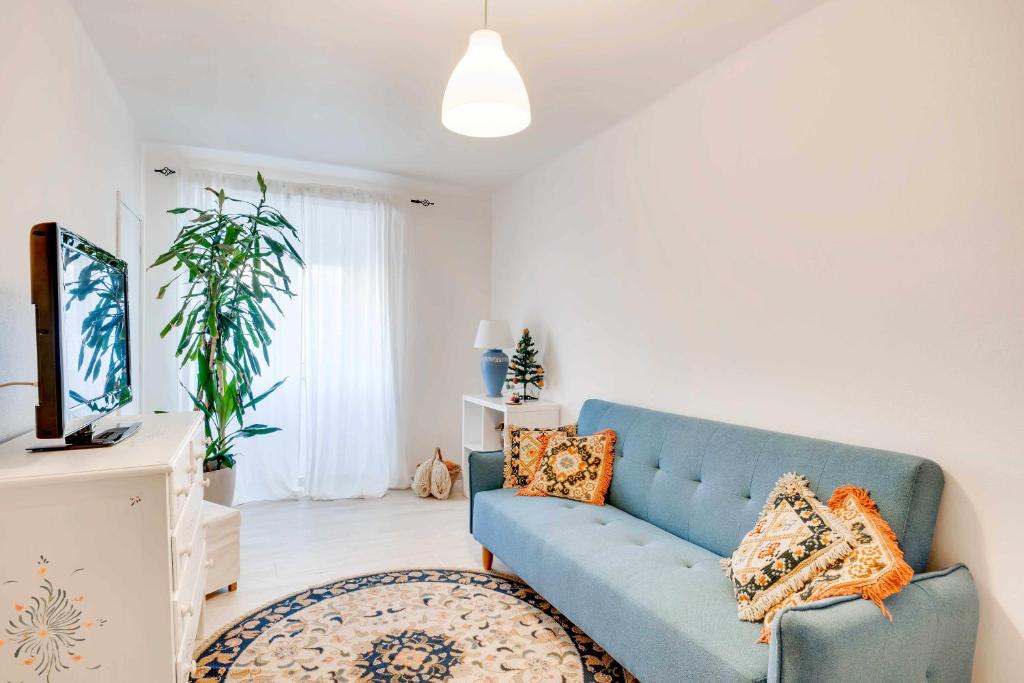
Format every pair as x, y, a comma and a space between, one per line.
493, 334
485, 97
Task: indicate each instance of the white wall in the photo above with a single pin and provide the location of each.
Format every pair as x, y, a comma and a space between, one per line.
67, 146
823, 234
447, 280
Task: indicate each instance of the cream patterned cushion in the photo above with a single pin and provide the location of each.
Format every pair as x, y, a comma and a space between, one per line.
796, 538
874, 570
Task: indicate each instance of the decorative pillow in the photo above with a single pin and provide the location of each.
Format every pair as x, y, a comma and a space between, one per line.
874, 570
796, 538
523, 448
576, 467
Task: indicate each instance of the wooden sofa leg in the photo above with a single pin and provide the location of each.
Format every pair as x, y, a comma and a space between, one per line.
488, 558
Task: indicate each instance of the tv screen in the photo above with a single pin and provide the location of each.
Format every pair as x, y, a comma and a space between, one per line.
80, 293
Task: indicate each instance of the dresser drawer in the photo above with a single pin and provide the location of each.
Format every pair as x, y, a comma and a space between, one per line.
188, 600
185, 470
185, 663
187, 532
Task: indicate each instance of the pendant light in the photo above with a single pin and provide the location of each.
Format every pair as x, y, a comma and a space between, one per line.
485, 97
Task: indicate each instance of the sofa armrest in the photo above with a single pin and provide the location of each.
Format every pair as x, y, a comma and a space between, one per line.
486, 473
930, 638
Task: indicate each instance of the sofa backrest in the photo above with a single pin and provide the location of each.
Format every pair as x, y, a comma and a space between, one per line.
706, 481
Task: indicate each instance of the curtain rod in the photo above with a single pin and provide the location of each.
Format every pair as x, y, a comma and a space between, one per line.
166, 171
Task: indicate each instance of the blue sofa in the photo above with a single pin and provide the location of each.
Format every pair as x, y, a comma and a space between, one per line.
641, 574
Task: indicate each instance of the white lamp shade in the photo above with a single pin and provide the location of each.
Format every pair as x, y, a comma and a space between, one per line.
485, 97
493, 334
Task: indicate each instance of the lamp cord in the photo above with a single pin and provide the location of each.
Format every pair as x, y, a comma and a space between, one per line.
485, 13
16, 384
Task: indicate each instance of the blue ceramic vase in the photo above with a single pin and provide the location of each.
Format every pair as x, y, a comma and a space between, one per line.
494, 367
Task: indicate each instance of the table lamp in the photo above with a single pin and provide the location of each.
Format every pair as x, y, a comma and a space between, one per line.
493, 335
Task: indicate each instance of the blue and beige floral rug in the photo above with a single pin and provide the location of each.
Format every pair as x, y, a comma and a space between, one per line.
408, 627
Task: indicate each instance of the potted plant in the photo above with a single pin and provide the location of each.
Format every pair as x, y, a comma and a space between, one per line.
235, 261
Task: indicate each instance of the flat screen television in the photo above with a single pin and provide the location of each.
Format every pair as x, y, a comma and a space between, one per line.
80, 293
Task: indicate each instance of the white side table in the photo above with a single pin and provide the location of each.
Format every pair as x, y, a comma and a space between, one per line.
482, 414
223, 527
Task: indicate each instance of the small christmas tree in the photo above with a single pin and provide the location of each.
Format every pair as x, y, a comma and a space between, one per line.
523, 369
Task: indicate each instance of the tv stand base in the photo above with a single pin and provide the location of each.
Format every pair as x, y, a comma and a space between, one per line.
87, 438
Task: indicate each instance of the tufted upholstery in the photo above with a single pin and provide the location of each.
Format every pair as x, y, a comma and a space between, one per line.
641, 575
631, 585
706, 481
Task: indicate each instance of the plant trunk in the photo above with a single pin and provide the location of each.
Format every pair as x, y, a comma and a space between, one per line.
222, 423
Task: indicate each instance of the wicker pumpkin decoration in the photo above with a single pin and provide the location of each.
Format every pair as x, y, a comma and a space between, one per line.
440, 477
435, 476
421, 479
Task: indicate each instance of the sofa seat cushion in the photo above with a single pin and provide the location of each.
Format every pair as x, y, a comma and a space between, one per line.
657, 603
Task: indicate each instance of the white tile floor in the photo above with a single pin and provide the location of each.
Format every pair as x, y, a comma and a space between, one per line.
289, 545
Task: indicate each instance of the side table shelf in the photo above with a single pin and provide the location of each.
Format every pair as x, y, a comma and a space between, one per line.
482, 414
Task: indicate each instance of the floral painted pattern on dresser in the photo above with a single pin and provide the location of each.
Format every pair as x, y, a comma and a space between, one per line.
49, 625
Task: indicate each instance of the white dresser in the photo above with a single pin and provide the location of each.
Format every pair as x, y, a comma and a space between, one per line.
103, 557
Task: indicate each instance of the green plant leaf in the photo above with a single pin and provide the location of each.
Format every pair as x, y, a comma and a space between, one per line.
234, 260
200, 406
252, 403
163, 290
163, 258
256, 430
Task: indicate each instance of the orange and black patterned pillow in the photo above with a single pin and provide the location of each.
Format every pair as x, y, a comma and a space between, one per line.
874, 570
796, 538
524, 447
576, 467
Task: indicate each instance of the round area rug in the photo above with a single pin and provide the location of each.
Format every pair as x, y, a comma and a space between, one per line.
414, 626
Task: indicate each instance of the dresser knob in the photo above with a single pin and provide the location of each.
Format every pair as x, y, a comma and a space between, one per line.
182, 491
206, 483
186, 610
186, 552
209, 563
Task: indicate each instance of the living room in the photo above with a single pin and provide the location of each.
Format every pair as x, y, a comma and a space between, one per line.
728, 261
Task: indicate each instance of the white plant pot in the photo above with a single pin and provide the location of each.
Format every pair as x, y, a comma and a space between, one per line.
222, 486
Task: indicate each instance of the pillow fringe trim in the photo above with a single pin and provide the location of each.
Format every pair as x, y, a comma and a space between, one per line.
895, 579
756, 609
891, 583
793, 483
604, 482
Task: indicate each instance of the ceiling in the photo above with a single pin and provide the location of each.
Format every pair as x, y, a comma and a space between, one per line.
359, 82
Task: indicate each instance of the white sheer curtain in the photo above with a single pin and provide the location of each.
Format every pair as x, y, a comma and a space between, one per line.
336, 343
